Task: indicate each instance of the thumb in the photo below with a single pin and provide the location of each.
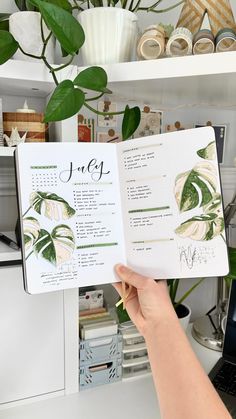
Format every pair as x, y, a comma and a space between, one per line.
130, 277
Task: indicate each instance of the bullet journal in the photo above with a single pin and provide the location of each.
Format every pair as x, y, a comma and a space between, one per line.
153, 203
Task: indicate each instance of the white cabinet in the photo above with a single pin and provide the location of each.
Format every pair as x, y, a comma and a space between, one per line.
32, 340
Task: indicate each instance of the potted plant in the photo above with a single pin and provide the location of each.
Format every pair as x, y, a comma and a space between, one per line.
25, 26
111, 28
69, 96
183, 311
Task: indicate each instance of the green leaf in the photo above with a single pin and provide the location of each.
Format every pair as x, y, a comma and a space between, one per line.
66, 29
4, 25
196, 187
93, 78
130, 122
51, 205
209, 152
65, 102
31, 230
64, 4
4, 16
8, 46
201, 228
232, 265
56, 247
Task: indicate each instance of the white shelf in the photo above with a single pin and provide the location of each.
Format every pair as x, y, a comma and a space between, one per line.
208, 80
24, 78
8, 255
7, 151
204, 80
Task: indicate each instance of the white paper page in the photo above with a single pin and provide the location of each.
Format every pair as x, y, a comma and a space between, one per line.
159, 175
73, 238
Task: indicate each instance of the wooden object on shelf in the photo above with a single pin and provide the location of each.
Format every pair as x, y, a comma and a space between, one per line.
219, 13
32, 123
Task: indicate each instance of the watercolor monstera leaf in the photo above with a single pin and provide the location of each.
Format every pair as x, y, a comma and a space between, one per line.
209, 152
195, 187
51, 205
31, 229
56, 247
202, 227
214, 206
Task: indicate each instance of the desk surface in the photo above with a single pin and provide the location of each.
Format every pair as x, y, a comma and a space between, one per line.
137, 396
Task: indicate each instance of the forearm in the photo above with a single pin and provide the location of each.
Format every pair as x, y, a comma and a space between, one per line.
183, 388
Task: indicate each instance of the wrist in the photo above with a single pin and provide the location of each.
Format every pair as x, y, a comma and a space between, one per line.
154, 327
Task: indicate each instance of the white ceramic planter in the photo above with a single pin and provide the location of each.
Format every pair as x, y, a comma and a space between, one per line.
25, 27
110, 35
184, 321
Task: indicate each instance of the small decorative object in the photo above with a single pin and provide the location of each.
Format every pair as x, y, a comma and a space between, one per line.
109, 137
85, 129
180, 43
151, 45
26, 121
226, 40
14, 138
203, 42
219, 12
1, 125
177, 126
107, 120
220, 134
150, 124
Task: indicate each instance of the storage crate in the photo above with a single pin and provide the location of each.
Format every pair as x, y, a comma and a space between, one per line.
135, 370
97, 374
100, 349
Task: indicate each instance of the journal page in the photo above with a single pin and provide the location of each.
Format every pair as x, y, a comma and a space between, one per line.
70, 210
172, 206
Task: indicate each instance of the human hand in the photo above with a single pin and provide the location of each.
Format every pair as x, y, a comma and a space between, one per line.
148, 301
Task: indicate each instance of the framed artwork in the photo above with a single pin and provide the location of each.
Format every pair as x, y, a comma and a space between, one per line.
108, 121
109, 137
85, 129
177, 126
150, 124
1, 125
220, 134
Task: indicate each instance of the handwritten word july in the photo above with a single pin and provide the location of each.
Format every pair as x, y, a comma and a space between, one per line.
95, 169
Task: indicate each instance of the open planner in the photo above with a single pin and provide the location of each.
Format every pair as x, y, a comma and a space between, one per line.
153, 203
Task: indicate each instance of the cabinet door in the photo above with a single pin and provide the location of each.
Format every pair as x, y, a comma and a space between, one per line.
31, 339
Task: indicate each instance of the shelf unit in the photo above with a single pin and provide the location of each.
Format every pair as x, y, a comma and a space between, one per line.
200, 81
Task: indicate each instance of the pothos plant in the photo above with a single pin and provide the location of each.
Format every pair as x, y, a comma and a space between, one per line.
69, 96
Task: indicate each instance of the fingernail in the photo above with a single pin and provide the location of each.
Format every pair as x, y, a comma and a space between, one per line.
121, 268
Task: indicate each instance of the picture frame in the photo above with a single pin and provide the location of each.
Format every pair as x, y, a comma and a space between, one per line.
150, 123
85, 129
220, 135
